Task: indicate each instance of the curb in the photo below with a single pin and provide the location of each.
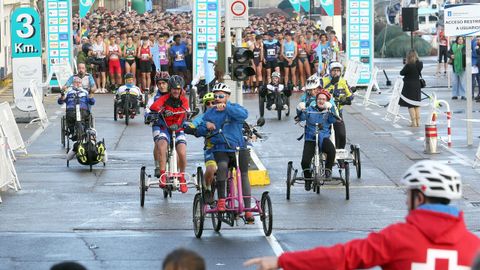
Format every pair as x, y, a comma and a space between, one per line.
257, 173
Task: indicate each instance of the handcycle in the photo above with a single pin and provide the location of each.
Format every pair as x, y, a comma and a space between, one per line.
79, 127
317, 167
129, 108
280, 99
235, 208
172, 173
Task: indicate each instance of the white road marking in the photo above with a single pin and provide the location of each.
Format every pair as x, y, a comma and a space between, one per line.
395, 125
376, 113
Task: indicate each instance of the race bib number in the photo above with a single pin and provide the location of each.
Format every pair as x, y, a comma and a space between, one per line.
271, 52
145, 56
289, 54
162, 55
179, 56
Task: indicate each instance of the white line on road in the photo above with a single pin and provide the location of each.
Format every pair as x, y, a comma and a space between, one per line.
272, 241
376, 113
396, 125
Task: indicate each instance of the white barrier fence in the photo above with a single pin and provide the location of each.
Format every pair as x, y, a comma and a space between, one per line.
9, 129
393, 107
373, 83
8, 174
352, 73
38, 101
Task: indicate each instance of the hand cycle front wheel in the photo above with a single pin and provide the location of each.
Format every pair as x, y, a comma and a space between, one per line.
267, 214
358, 163
198, 215
217, 221
62, 131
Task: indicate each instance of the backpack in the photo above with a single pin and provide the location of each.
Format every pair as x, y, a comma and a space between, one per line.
90, 153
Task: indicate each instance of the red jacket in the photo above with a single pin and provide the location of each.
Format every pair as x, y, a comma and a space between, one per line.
428, 240
174, 105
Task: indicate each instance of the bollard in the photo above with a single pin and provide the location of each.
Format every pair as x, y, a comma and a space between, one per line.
431, 140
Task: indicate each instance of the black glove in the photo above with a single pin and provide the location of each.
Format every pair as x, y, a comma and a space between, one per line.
334, 80
167, 113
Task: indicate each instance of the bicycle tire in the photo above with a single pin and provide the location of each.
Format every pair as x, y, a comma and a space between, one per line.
288, 104
289, 178
115, 110
267, 214
62, 131
261, 105
198, 215
358, 162
347, 181
126, 109
217, 221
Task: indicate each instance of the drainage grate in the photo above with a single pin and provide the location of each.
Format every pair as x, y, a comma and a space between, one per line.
475, 204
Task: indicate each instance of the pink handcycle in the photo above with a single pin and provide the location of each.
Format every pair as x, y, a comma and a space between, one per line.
235, 208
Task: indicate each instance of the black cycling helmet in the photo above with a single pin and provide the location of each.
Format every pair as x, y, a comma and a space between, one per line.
176, 82
162, 76
129, 76
86, 48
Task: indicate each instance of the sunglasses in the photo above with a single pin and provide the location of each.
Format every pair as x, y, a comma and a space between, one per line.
209, 103
219, 96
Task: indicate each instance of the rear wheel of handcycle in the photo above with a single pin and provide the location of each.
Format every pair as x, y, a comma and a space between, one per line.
358, 163
126, 109
143, 187
289, 178
198, 215
261, 105
288, 104
62, 131
115, 110
347, 181
267, 214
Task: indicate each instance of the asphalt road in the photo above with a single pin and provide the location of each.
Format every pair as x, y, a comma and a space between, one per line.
95, 217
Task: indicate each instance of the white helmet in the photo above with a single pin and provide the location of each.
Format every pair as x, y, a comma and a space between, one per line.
434, 180
336, 65
221, 87
313, 82
276, 74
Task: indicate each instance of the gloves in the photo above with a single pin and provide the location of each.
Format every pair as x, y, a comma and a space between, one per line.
301, 106
167, 113
336, 93
328, 105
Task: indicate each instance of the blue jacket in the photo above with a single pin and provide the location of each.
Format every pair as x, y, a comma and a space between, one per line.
474, 52
312, 116
310, 101
85, 101
230, 121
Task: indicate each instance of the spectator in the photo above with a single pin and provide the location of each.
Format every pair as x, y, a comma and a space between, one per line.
183, 259
411, 87
457, 56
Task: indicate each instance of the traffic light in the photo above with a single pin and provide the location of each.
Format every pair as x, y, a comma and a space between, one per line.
240, 66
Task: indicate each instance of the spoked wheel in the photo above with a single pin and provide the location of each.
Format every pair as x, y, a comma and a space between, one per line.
62, 131
115, 110
198, 215
200, 182
267, 214
289, 178
347, 181
216, 221
143, 187
358, 163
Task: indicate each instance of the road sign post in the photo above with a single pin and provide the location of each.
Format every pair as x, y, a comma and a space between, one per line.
26, 55
462, 20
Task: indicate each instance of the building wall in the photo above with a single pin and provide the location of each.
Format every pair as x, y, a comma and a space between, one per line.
265, 3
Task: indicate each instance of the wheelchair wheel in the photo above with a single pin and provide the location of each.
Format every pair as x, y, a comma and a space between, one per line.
62, 131
289, 178
358, 163
347, 181
115, 110
198, 215
143, 187
267, 215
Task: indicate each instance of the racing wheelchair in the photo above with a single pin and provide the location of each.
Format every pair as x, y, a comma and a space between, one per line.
77, 130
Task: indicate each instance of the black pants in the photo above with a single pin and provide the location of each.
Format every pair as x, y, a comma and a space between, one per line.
340, 134
223, 159
309, 152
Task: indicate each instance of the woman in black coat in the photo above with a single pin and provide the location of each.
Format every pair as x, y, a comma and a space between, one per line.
411, 86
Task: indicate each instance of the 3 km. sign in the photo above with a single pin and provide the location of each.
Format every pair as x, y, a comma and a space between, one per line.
26, 55
237, 13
